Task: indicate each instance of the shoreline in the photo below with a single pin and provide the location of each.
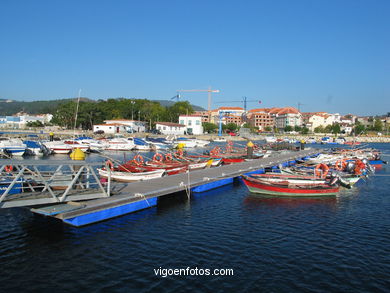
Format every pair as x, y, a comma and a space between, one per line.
242, 137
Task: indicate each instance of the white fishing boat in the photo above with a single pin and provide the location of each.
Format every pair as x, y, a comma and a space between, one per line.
270, 139
129, 176
12, 146
58, 147
77, 145
119, 144
220, 139
140, 144
196, 166
35, 148
94, 145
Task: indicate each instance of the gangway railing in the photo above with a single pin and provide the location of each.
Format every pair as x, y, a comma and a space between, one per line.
38, 182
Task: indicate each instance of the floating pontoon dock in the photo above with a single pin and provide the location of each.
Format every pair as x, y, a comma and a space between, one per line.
85, 201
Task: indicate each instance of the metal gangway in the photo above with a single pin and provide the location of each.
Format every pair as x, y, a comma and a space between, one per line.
40, 182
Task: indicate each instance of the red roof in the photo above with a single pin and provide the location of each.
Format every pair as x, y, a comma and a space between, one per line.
230, 108
265, 110
171, 124
194, 115
124, 120
111, 124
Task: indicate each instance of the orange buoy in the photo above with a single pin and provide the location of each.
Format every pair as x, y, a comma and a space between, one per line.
158, 157
8, 168
321, 170
168, 157
138, 159
340, 165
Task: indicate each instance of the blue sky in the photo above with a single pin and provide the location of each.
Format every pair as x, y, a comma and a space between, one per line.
329, 55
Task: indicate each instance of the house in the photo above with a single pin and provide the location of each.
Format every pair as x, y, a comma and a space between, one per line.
171, 128
287, 116
20, 120
110, 128
346, 128
260, 118
193, 123
228, 115
312, 120
132, 125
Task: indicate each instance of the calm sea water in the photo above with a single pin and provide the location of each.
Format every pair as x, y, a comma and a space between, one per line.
272, 245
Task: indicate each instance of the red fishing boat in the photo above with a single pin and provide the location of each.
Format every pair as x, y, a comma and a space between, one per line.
291, 190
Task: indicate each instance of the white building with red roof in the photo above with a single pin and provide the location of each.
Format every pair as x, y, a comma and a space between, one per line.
110, 128
287, 116
171, 128
132, 125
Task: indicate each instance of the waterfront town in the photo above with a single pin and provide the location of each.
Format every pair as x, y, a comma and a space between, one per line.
259, 120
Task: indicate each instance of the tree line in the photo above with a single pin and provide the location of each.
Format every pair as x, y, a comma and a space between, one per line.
90, 113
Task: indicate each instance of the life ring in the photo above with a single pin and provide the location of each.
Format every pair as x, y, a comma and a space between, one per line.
158, 157
138, 160
8, 168
340, 165
321, 170
179, 153
168, 157
110, 165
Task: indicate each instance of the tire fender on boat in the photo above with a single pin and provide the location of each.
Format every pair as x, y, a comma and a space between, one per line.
158, 157
179, 153
168, 157
8, 168
138, 160
110, 165
340, 165
321, 170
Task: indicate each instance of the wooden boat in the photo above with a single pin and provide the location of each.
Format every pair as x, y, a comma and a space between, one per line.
58, 147
130, 176
352, 142
289, 179
292, 190
346, 180
136, 169
232, 160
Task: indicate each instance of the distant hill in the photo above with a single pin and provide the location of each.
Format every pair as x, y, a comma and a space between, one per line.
10, 107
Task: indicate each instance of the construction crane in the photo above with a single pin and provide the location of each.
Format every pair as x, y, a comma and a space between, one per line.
244, 100
209, 91
177, 97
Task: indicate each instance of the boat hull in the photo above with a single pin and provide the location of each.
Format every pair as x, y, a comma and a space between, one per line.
278, 190
131, 177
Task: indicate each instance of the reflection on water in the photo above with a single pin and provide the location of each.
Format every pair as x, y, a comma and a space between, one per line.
257, 201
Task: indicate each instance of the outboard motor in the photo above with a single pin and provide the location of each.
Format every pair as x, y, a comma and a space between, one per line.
334, 179
350, 167
337, 179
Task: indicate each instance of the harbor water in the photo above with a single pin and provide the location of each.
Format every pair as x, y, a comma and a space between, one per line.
337, 244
